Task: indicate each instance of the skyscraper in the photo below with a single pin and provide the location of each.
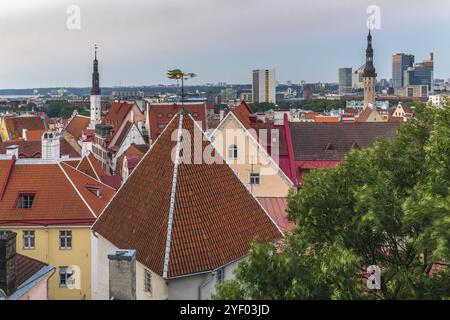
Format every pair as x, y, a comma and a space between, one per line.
400, 63
95, 95
345, 81
370, 76
421, 73
264, 86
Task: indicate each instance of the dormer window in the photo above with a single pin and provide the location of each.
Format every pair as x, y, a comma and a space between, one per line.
95, 190
25, 200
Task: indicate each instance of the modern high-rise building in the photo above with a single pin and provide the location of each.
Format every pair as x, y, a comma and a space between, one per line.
264, 86
400, 63
421, 73
345, 81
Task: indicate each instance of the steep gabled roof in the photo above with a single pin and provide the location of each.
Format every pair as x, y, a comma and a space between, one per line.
90, 166
77, 125
117, 113
184, 218
242, 112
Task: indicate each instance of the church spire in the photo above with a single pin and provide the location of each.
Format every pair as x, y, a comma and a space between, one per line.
95, 77
369, 69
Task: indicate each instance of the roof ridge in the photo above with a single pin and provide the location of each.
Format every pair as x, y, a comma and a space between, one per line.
76, 189
172, 198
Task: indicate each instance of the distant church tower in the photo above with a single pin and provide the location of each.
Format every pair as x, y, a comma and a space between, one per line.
95, 95
370, 76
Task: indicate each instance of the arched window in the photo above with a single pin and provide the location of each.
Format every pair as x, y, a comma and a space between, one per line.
232, 152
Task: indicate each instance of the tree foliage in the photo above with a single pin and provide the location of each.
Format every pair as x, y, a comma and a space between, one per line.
387, 206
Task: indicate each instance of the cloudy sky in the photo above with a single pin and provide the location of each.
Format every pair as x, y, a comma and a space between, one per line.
220, 40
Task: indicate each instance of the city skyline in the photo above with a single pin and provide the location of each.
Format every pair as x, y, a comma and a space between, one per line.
137, 42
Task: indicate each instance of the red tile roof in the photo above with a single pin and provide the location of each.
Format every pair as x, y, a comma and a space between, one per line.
90, 166
211, 222
15, 125
34, 134
77, 125
134, 150
33, 149
277, 207
242, 112
26, 268
117, 113
161, 114
61, 194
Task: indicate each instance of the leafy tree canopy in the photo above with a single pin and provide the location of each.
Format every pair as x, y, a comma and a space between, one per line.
387, 206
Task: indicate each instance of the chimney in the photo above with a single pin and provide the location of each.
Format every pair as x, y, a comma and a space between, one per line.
122, 275
431, 56
24, 134
222, 114
132, 116
50, 146
8, 262
13, 151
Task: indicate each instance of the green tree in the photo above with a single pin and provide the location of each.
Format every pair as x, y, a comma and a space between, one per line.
388, 206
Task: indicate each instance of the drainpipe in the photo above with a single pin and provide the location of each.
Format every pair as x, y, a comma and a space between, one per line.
204, 284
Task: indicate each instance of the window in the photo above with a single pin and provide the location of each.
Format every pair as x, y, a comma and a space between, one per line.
232, 152
220, 276
95, 190
28, 240
25, 201
65, 277
148, 282
65, 240
255, 179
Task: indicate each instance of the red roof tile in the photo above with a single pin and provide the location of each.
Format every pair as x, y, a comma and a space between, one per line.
213, 220
77, 125
60, 194
277, 207
161, 114
33, 149
15, 125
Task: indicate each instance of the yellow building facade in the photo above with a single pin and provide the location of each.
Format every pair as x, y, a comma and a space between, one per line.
47, 249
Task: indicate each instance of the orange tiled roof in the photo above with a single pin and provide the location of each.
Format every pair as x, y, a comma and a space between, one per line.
117, 113
161, 114
133, 150
33, 149
34, 134
15, 125
327, 119
60, 192
90, 166
77, 125
213, 219
242, 113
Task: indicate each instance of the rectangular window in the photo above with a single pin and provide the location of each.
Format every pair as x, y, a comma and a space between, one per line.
148, 282
255, 179
232, 152
220, 276
65, 240
65, 277
25, 201
28, 240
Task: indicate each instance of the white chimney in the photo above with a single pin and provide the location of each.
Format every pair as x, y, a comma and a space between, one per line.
24, 134
222, 114
13, 151
132, 116
51, 145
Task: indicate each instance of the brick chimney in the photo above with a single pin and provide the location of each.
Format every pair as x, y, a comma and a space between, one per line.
122, 275
8, 262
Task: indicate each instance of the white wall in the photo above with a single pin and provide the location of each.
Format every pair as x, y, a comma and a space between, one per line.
100, 274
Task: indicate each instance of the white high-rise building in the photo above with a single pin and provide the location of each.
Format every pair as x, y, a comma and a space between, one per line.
264, 85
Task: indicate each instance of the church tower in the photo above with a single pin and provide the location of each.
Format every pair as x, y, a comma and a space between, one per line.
95, 95
370, 76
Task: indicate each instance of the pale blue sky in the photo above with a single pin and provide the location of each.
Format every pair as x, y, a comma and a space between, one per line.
220, 40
